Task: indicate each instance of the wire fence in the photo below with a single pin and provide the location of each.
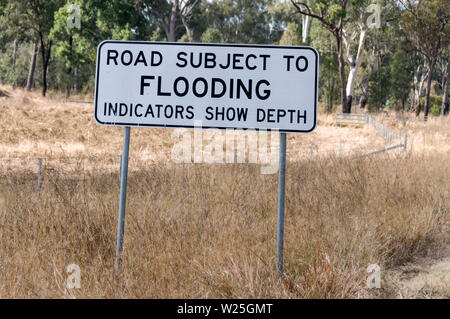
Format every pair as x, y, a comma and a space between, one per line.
392, 139
77, 167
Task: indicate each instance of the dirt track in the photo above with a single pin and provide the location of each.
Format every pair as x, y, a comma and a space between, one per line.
422, 278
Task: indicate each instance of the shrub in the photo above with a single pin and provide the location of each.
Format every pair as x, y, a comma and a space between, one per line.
435, 104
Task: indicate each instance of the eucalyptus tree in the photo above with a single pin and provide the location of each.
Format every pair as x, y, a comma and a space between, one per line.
291, 35
79, 27
334, 16
322, 40
171, 15
445, 77
36, 17
426, 24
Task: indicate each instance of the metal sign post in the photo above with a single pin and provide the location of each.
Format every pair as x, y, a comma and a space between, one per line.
123, 198
281, 191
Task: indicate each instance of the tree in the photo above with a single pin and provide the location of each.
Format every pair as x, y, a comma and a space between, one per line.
333, 16
212, 35
291, 35
306, 24
353, 60
72, 40
430, 18
445, 104
79, 26
241, 21
170, 14
401, 70
280, 14
420, 76
322, 40
36, 16
32, 67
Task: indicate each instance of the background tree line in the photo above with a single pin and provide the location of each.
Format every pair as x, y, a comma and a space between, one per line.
374, 54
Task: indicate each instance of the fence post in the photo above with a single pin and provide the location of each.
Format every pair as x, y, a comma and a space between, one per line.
39, 173
385, 139
406, 140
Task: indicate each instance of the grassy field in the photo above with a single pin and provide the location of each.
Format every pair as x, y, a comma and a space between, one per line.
204, 231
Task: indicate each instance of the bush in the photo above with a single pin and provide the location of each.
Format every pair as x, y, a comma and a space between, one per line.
392, 103
15, 75
435, 104
212, 35
435, 110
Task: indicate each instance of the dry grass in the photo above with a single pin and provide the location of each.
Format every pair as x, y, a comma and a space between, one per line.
204, 230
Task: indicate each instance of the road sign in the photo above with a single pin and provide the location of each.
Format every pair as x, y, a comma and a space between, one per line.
165, 84
222, 85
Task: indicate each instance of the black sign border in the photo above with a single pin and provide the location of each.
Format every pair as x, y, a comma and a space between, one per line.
207, 45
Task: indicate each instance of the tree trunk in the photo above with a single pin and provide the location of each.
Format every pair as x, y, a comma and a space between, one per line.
428, 91
171, 36
330, 96
419, 93
418, 107
355, 63
363, 102
14, 53
32, 67
306, 23
418, 86
340, 52
69, 70
188, 30
416, 89
445, 104
45, 52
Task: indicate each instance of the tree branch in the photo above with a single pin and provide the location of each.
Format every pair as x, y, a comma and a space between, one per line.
308, 12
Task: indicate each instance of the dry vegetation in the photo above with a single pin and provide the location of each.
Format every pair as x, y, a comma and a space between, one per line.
209, 230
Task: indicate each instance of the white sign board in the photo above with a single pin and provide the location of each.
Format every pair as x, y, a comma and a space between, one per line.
165, 84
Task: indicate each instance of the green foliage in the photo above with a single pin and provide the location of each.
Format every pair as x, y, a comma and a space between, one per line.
401, 73
379, 81
435, 103
392, 103
385, 76
240, 21
72, 42
281, 14
323, 41
291, 35
15, 75
334, 11
435, 110
212, 35
430, 18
